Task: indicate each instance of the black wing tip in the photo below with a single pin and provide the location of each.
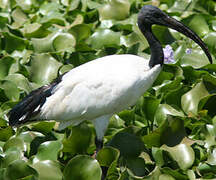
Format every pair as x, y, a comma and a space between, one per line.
26, 110
16, 116
12, 120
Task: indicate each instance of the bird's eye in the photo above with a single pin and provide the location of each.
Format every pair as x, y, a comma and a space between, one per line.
158, 15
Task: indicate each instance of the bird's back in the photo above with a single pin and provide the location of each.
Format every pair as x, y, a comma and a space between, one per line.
103, 86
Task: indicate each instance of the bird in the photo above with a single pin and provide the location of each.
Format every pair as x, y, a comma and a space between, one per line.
98, 89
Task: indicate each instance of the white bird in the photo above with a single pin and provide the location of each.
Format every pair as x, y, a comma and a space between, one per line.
98, 89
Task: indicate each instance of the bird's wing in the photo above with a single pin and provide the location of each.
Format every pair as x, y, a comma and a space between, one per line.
29, 108
94, 89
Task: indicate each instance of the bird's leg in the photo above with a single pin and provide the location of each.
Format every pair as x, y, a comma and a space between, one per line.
99, 144
104, 172
101, 125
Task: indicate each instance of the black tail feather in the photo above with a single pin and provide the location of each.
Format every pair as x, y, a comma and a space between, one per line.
30, 106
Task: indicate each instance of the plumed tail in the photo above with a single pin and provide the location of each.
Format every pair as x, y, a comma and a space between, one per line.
28, 109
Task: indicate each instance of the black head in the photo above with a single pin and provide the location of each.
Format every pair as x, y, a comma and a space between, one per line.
150, 15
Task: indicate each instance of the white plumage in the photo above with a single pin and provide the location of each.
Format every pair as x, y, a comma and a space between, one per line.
98, 89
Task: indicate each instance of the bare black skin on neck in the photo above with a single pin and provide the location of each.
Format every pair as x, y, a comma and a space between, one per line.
157, 55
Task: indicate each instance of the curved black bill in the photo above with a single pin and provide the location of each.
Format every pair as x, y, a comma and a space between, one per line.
178, 26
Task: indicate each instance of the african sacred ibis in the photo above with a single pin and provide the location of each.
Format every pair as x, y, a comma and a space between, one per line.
98, 89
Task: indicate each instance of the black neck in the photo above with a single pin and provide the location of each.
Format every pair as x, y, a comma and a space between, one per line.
157, 56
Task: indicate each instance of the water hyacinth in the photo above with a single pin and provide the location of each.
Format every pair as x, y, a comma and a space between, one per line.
168, 55
188, 51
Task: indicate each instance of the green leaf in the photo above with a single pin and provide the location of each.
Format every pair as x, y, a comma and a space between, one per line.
113, 171
43, 45
191, 174
196, 59
20, 81
136, 166
169, 85
212, 157
48, 170
48, 151
163, 77
28, 136
10, 156
163, 34
210, 39
80, 31
64, 42
116, 122
157, 154
24, 58
128, 144
46, 8
171, 133
130, 39
104, 37
35, 30
199, 25
210, 136
82, 167
44, 68
173, 97
149, 107
153, 139
119, 8
127, 115
174, 173
65, 68
205, 168
165, 177
4, 4
43, 127
178, 6
107, 155
5, 107
174, 132
163, 111
38, 139
183, 154
26, 5
192, 75
191, 99
4, 19
155, 173
5, 133
14, 142
56, 41
13, 42
19, 169
19, 17
53, 17
79, 139
5, 64
10, 90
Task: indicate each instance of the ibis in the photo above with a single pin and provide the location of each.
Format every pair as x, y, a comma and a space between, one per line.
97, 90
